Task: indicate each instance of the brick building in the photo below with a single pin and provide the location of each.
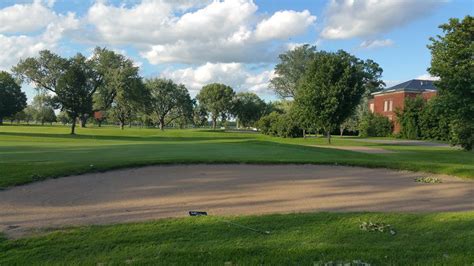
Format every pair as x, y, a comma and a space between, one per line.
385, 102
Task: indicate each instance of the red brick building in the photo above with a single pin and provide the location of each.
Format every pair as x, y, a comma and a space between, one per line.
385, 102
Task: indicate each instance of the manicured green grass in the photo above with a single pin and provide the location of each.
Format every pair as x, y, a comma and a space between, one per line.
294, 239
29, 153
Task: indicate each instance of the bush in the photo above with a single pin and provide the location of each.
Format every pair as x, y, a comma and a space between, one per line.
281, 125
434, 124
375, 125
409, 118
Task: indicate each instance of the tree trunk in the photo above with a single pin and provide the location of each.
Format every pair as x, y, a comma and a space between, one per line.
304, 133
122, 123
342, 131
83, 120
1, 120
100, 123
162, 123
73, 126
130, 124
214, 123
329, 136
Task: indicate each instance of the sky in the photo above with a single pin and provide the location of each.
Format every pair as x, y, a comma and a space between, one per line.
236, 42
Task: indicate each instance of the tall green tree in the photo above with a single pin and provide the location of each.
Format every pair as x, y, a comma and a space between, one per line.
45, 71
129, 93
199, 115
12, 99
43, 108
73, 91
217, 99
293, 65
452, 61
248, 108
117, 73
331, 89
168, 101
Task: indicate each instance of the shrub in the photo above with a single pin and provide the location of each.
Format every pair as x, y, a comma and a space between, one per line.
281, 125
409, 118
267, 122
375, 125
434, 124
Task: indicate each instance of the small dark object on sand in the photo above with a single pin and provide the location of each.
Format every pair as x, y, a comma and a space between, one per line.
197, 213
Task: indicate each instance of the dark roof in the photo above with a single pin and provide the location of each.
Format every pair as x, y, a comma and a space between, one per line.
414, 85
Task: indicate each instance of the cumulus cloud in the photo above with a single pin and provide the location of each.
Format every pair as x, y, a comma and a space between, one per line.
235, 75
26, 17
427, 76
284, 24
348, 18
220, 31
36, 16
371, 44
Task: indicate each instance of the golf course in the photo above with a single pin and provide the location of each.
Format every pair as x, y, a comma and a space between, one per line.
111, 196
236, 132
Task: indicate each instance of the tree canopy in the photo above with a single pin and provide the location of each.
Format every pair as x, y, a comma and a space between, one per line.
452, 61
12, 99
73, 93
331, 89
43, 108
217, 99
248, 108
293, 65
169, 101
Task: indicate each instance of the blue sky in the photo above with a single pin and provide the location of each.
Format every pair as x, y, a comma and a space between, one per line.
236, 42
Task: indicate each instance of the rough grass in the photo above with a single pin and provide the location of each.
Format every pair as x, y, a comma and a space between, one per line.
30, 153
294, 239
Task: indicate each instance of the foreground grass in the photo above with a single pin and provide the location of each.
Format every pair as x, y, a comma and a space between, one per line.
34, 153
294, 239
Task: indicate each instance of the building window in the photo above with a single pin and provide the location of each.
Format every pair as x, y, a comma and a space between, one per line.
388, 106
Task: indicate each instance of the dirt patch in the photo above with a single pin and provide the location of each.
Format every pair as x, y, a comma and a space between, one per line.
171, 191
362, 149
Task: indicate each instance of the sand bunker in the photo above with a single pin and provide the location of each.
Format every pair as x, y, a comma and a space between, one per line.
170, 191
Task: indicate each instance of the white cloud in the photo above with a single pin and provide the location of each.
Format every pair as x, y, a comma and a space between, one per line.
219, 31
350, 18
232, 74
16, 47
427, 77
284, 24
26, 17
371, 44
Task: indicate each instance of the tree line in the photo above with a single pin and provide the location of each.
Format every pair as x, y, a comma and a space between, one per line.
109, 84
321, 92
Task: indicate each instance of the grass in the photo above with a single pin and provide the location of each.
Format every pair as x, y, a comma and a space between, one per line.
294, 239
30, 153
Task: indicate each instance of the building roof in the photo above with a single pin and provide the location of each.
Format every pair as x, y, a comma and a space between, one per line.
414, 85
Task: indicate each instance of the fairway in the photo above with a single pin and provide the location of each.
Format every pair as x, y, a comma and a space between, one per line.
32, 153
